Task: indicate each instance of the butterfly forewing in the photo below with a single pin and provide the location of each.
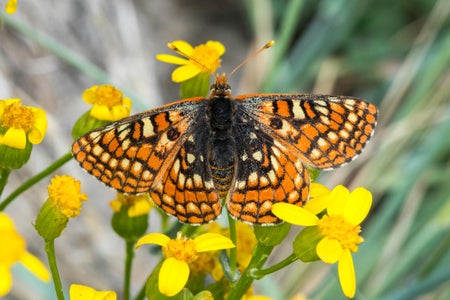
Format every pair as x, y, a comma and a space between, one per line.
326, 131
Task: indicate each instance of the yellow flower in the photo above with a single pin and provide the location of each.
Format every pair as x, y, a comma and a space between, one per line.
339, 229
19, 123
204, 58
13, 250
82, 292
11, 6
109, 103
138, 205
245, 243
65, 193
179, 253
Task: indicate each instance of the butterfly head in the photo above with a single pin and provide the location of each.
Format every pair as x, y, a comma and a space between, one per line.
220, 87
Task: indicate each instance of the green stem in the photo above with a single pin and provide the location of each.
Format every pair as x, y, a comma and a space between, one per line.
35, 179
128, 265
50, 249
4, 174
260, 256
278, 266
233, 252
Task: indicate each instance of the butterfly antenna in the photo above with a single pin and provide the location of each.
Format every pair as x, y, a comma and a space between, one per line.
266, 46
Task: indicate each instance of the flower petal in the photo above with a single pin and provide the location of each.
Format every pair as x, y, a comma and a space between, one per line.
294, 214
15, 138
338, 200
11, 6
153, 238
101, 112
80, 292
171, 59
329, 250
35, 266
183, 48
40, 126
105, 295
173, 276
6, 280
346, 271
140, 207
184, 73
319, 198
218, 46
119, 112
212, 241
358, 205
5, 222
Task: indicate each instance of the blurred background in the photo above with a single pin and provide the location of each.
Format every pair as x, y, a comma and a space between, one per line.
395, 54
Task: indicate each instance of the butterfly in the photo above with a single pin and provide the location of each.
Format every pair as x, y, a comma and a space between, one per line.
247, 152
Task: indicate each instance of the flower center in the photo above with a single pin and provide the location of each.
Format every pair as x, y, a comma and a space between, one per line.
181, 248
206, 58
66, 194
108, 95
17, 116
337, 228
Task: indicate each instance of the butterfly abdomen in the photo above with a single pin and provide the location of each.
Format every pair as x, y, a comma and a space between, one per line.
222, 148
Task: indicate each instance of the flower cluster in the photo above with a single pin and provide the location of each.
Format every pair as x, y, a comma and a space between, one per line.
337, 230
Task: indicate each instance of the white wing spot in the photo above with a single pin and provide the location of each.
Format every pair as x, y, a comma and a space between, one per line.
333, 137
97, 150
257, 155
181, 179
126, 144
272, 176
124, 134
315, 153
244, 156
348, 126
198, 182
190, 158
344, 134
352, 117
148, 127
253, 177
125, 163
322, 142
137, 166
146, 175
176, 166
323, 110
189, 184
241, 184
113, 163
298, 111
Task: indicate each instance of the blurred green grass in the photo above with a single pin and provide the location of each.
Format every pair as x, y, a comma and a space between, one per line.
396, 55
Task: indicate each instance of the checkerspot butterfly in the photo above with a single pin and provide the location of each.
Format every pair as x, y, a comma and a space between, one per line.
248, 151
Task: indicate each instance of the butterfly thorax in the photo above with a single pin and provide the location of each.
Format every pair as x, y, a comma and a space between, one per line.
221, 143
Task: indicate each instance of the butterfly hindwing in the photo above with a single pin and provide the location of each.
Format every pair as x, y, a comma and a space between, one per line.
187, 189
327, 131
266, 173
